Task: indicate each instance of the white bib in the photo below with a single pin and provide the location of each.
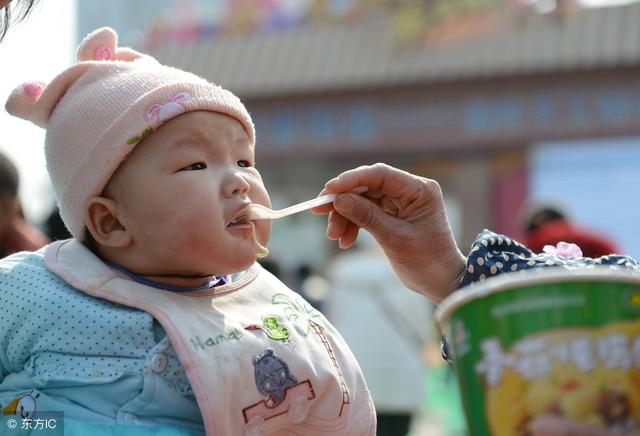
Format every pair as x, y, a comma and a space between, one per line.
259, 358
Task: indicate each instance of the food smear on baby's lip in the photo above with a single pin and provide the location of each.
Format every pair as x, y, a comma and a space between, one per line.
262, 251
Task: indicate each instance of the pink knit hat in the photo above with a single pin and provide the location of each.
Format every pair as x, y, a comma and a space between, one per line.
96, 111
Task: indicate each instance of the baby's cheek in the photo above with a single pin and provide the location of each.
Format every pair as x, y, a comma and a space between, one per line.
187, 232
195, 220
197, 235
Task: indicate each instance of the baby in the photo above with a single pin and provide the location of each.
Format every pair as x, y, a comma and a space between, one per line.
155, 316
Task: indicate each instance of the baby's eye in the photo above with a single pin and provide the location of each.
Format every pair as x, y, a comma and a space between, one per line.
244, 163
195, 166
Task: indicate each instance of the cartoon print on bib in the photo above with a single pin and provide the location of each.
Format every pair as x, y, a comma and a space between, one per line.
284, 394
275, 329
306, 318
327, 346
24, 406
301, 314
272, 377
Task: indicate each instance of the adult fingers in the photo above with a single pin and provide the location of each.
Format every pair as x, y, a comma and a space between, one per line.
349, 237
362, 213
336, 226
379, 177
322, 210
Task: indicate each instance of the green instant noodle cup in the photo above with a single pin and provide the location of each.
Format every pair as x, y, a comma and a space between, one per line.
554, 341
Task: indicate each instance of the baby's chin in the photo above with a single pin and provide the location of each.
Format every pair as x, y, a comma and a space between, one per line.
238, 266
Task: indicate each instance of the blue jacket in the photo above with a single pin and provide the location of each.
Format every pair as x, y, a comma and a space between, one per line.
98, 362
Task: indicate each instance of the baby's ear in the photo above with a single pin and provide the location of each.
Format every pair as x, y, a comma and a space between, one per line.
101, 218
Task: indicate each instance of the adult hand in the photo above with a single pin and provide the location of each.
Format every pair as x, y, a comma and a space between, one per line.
554, 426
406, 215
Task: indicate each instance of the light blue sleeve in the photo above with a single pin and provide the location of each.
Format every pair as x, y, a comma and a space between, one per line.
13, 312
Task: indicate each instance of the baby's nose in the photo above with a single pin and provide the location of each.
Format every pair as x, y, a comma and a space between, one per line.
236, 184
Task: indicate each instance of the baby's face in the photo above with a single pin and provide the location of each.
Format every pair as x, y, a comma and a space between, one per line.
179, 191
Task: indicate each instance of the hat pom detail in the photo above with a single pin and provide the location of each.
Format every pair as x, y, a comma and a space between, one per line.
99, 45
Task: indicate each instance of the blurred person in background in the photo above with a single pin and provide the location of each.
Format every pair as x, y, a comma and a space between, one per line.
387, 328
549, 225
54, 227
271, 265
311, 285
16, 234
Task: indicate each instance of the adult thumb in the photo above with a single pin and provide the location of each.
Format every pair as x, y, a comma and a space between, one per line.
364, 213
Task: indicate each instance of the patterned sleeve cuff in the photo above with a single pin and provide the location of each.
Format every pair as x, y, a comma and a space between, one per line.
492, 254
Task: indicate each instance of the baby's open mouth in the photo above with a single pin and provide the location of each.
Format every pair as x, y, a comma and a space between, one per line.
240, 220
241, 217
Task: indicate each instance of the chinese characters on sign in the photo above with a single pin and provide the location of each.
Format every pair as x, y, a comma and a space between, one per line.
533, 358
423, 120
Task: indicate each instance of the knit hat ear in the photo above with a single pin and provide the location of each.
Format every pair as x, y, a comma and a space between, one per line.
99, 45
35, 101
102, 45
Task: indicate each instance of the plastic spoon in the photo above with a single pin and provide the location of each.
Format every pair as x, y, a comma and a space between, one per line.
260, 212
